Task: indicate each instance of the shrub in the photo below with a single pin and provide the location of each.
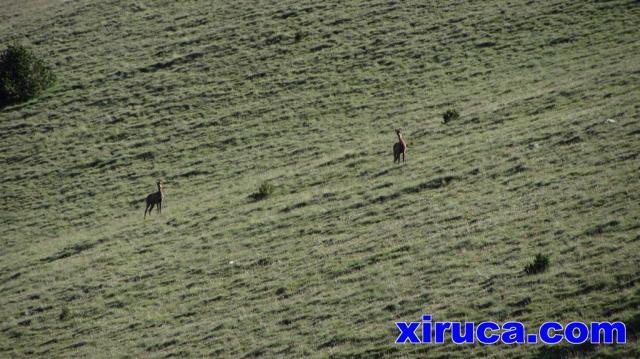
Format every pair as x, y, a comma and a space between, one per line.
265, 190
64, 314
539, 265
22, 74
298, 36
450, 115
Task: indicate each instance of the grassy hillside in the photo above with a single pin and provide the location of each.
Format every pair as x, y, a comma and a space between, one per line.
216, 98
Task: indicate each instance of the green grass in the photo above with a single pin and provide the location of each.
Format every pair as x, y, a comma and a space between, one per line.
218, 98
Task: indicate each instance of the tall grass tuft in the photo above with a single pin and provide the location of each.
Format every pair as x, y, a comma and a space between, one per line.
265, 190
65, 314
450, 115
539, 265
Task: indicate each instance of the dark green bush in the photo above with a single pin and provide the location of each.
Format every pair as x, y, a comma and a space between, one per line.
298, 36
265, 190
539, 265
22, 74
450, 115
64, 314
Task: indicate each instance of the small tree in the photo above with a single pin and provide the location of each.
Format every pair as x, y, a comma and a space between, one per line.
22, 74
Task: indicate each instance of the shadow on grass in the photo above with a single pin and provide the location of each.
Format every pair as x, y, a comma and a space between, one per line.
6, 103
70, 251
565, 351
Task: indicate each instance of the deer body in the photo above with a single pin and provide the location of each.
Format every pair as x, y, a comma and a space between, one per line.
154, 199
399, 148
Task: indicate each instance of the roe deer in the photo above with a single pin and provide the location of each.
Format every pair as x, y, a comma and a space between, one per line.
400, 147
153, 199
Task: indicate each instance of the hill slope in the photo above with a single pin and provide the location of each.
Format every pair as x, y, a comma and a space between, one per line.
217, 98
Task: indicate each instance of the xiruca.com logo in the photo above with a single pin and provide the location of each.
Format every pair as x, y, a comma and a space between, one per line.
426, 332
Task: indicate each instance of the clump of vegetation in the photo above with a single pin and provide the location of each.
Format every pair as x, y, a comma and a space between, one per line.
265, 190
299, 36
450, 115
64, 314
22, 74
539, 265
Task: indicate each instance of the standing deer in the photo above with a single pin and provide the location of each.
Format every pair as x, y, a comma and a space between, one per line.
400, 147
153, 199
